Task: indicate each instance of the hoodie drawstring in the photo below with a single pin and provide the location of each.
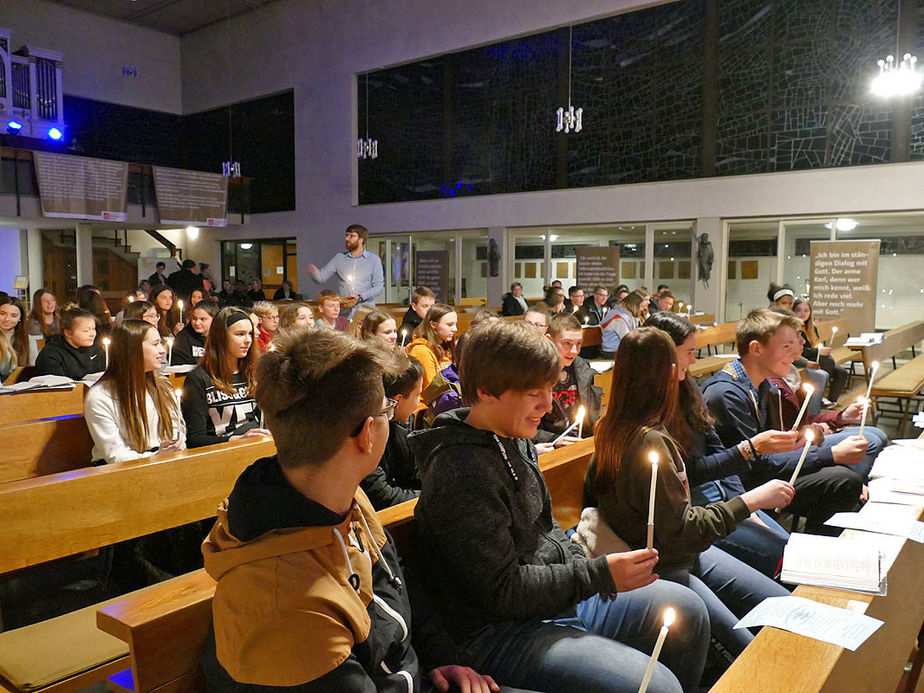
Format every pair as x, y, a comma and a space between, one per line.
354, 577
395, 580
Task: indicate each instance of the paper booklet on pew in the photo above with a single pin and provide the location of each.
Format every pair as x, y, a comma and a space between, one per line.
865, 339
899, 462
903, 491
910, 529
601, 366
837, 562
40, 382
812, 619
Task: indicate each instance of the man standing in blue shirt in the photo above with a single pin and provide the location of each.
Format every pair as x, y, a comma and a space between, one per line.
359, 271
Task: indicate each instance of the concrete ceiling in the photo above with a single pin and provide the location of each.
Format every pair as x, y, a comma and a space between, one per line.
176, 17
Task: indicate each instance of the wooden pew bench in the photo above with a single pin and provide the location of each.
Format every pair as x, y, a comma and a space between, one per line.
165, 627
93, 508
711, 338
44, 446
839, 352
905, 386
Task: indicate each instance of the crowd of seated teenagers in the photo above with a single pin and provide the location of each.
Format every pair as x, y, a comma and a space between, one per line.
218, 404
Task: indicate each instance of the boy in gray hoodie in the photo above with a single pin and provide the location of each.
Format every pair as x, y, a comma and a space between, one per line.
523, 602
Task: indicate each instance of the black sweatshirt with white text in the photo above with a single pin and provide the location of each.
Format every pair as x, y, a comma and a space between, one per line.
213, 416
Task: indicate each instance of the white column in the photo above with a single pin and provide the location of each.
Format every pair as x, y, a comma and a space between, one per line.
36, 265
84, 254
649, 257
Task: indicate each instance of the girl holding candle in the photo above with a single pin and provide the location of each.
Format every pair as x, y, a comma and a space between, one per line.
818, 355
217, 402
644, 396
189, 346
74, 353
132, 411
381, 326
433, 340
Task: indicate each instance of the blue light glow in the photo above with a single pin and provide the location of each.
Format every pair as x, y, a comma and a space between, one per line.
55, 134
14, 125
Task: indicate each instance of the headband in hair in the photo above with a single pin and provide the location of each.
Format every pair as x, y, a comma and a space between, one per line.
236, 316
783, 292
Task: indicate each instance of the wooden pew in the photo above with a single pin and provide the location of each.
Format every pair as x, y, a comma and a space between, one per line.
704, 319
715, 336
905, 385
93, 508
25, 406
44, 446
166, 627
894, 342
778, 660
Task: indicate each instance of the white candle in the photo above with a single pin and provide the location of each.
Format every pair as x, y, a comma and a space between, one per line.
106, 343
574, 309
872, 377
262, 420
653, 456
809, 390
656, 652
587, 320
169, 351
179, 394
580, 420
180, 305
564, 433
865, 402
131, 299
403, 336
809, 439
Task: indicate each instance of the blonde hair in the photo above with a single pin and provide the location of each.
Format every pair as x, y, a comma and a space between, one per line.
265, 309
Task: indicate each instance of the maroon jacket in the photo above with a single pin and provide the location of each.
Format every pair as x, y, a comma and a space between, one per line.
791, 404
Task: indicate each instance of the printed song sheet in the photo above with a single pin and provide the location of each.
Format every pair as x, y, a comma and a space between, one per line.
813, 620
911, 529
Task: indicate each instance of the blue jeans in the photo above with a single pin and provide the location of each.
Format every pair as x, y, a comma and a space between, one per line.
819, 380
730, 589
759, 546
605, 648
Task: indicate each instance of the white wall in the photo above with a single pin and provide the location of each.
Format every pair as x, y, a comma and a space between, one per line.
10, 258
96, 48
317, 48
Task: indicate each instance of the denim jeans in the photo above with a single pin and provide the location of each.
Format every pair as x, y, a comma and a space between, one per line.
759, 546
819, 380
877, 441
730, 589
604, 648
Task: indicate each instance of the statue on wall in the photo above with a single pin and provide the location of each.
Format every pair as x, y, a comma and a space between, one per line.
705, 256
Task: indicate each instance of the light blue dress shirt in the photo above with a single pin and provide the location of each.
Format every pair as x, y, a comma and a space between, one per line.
360, 275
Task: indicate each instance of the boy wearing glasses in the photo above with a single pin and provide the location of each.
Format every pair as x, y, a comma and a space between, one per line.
310, 593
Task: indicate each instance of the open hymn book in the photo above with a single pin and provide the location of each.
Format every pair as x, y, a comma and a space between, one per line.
839, 562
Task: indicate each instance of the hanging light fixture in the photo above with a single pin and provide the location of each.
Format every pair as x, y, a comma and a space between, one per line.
367, 148
230, 168
897, 79
569, 119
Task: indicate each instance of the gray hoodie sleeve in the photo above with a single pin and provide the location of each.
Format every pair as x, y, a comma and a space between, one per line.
465, 515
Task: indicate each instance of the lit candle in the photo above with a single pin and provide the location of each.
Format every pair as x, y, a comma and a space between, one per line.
872, 376
106, 343
865, 402
580, 420
574, 309
586, 319
179, 394
169, 351
350, 284
809, 389
403, 336
680, 306
809, 439
262, 419
180, 305
653, 456
655, 653
131, 299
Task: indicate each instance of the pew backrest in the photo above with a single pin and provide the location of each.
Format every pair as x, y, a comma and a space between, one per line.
893, 343
44, 446
715, 335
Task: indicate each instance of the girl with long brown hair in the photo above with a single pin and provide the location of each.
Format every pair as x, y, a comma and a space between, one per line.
132, 411
296, 315
218, 403
14, 335
618, 482
167, 310
816, 354
379, 326
43, 318
626, 315
433, 340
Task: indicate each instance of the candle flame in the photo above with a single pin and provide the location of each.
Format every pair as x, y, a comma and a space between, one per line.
875, 365
809, 389
574, 309
180, 304
653, 457
170, 341
131, 299
179, 393
580, 413
587, 319
833, 331
810, 434
862, 400
404, 332
107, 341
669, 616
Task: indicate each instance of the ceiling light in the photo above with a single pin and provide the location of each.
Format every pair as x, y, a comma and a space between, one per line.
246, 246
55, 134
844, 224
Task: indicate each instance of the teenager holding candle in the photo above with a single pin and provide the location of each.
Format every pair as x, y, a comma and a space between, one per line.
522, 601
629, 437
132, 411
744, 403
433, 340
575, 386
814, 351
712, 468
189, 346
74, 353
217, 402
168, 315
